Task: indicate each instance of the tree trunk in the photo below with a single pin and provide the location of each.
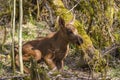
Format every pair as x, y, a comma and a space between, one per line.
13, 34
91, 55
20, 36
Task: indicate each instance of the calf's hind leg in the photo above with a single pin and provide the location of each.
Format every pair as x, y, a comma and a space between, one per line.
25, 58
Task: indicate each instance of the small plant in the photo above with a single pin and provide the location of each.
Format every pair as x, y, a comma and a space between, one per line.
1, 66
115, 72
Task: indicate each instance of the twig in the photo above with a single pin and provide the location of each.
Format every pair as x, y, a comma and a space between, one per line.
110, 49
73, 7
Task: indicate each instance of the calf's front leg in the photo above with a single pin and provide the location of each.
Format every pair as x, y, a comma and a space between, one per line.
59, 64
49, 61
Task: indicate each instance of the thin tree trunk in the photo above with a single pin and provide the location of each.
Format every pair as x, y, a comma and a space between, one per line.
20, 35
38, 8
13, 34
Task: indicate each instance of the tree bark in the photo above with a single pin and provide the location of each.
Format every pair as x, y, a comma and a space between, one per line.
13, 34
20, 36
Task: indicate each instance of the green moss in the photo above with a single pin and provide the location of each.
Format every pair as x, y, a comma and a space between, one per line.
91, 55
64, 13
117, 37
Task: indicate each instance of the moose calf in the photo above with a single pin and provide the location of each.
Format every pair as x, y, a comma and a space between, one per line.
53, 48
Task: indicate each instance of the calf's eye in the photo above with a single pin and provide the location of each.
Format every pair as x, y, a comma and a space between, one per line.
69, 31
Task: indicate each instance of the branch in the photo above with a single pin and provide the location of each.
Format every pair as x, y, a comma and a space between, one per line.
111, 49
73, 7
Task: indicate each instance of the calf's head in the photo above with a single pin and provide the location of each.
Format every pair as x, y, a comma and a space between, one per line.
69, 32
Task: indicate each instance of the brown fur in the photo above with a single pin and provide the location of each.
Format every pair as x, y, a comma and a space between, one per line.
53, 48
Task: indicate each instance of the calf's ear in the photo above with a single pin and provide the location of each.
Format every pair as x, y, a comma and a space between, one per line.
61, 22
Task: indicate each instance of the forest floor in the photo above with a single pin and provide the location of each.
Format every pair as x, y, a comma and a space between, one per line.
72, 71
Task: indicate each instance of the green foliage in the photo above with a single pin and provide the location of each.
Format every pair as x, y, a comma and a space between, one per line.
115, 72
66, 67
1, 67
33, 30
37, 73
28, 34
117, 36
